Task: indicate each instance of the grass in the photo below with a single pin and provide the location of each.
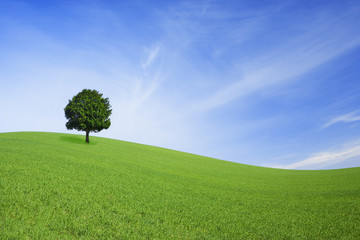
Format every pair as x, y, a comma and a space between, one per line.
55, 186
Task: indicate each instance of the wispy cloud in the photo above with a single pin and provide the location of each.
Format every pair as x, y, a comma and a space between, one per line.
326, 159
346, 118
152, 52
176, 62
319, 45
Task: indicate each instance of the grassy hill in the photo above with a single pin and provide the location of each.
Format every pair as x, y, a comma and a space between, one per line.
56, 186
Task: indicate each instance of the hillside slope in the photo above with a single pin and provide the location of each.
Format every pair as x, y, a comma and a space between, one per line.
57, 186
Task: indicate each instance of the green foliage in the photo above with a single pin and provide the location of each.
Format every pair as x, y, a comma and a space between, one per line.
55, 186
88, 111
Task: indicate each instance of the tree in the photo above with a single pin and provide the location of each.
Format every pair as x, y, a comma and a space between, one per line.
88, 111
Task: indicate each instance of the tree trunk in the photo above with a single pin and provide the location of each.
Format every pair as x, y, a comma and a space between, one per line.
87, 136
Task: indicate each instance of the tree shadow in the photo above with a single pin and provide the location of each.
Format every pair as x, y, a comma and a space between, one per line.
73, 139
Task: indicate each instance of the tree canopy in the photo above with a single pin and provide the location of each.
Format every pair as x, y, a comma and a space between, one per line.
88, 111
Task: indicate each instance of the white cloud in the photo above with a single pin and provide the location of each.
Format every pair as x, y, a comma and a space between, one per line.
321, 160
151, 89
321, 43
153, 52
346, 118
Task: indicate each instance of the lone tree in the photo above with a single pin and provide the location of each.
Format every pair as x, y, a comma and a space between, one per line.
88, 111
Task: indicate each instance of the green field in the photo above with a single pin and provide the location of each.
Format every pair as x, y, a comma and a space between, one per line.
55, 186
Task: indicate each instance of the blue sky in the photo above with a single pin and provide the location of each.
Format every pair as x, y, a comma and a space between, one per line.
267, 83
